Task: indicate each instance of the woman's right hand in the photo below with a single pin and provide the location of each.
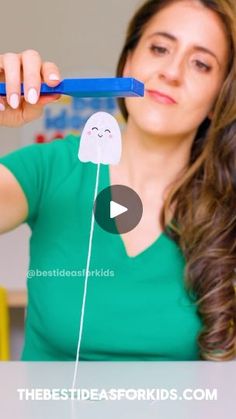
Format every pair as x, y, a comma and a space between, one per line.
27, 68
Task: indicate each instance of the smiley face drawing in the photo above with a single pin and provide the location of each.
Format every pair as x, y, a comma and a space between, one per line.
100, 140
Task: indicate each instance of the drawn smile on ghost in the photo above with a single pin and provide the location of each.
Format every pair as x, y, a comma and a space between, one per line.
106, 130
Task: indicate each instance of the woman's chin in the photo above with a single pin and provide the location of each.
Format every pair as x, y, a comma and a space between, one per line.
157, 128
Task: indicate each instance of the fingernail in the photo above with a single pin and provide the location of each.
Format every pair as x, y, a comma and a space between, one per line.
2, 107
32, 96
14, 100
54, 77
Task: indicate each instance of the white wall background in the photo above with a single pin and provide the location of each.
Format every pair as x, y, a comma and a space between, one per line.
84, 38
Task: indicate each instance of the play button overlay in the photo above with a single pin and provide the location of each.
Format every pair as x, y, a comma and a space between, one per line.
118, 209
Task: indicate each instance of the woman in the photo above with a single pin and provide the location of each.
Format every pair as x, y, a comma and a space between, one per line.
171, 295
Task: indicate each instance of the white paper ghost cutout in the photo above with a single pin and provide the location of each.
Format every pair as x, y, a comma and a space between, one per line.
100, 140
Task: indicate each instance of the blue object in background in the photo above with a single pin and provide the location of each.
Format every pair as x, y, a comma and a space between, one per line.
98, 87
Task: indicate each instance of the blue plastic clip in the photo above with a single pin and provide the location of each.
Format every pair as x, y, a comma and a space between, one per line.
98, 87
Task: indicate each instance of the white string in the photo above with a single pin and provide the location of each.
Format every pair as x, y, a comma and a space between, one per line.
86, 275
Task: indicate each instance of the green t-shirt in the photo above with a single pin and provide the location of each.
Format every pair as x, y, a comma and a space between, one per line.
136, 309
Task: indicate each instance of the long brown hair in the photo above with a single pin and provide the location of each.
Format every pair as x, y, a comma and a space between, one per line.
204, 197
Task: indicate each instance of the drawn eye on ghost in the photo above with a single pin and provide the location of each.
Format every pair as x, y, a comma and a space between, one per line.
100, 140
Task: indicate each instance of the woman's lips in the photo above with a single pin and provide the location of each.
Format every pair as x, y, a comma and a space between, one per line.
161, 97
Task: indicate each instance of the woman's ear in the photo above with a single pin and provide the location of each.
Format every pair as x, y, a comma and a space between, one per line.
210, 115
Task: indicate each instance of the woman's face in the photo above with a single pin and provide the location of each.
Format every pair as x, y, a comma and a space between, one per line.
183, 53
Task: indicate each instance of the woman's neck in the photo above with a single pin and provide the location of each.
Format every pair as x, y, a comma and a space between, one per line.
149, 160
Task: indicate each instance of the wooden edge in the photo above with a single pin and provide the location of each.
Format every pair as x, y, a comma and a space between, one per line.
17, 298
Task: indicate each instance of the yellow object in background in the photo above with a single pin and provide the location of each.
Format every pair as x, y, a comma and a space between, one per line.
4, 326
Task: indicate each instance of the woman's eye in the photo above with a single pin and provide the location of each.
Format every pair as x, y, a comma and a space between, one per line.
95, 128
158, 49
107, 130
202, 66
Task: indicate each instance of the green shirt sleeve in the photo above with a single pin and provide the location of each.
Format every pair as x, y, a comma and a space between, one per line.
38, 168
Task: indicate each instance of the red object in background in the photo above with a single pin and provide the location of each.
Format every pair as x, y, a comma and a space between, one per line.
58, 135
40, 138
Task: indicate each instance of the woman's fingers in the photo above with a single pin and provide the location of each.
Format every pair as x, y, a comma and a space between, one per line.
51, 76
45, 99
2, 105
12, 69
27, 68
36, 72
50, 73
31, 63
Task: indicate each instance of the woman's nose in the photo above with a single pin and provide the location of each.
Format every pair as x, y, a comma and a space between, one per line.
172, 70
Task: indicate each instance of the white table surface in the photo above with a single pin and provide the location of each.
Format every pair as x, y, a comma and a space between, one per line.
119, 375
